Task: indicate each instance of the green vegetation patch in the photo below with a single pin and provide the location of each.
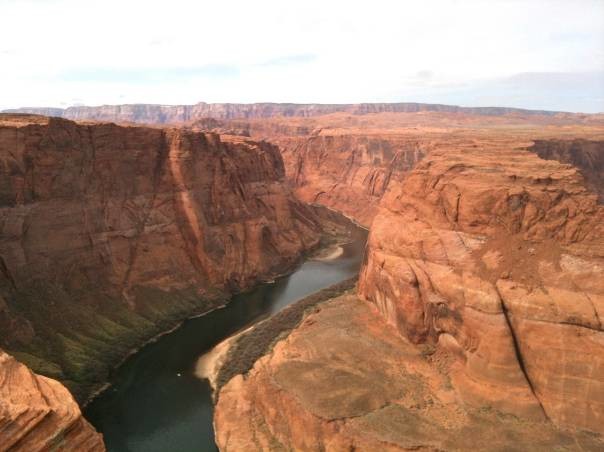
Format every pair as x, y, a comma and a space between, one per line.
80, 343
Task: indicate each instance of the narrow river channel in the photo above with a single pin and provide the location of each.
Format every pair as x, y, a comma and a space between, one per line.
156, 403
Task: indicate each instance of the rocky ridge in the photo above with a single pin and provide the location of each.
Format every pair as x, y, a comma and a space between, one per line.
587, 155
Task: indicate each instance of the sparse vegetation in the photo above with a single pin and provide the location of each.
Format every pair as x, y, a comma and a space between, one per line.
80, 343
257, 342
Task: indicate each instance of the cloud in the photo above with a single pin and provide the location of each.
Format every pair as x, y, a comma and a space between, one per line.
147, 75
559, 91
312, 51
290, 60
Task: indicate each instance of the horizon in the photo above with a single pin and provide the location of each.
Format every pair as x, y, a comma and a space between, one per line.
538, 55
20, 110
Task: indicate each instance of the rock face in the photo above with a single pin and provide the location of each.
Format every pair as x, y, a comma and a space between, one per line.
108, 230
346, 380
39, 414
477, 323
349, 172
345, 169
346, 161
587, 155
498, 257
162, 114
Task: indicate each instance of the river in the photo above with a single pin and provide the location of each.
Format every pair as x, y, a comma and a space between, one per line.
156, 403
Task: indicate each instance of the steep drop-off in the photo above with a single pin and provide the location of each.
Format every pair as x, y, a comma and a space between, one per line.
38, 414
346, 380
498, 256
348, 173
111, 234
587, 155
346, 161
477, 323
346, 170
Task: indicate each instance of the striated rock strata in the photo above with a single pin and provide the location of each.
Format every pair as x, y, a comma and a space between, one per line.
477, 323
346, 161
587, 155
498, 257
38, 414
109, 234
162, 114
349, 172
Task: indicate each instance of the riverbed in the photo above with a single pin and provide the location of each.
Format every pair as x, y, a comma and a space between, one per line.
157, 403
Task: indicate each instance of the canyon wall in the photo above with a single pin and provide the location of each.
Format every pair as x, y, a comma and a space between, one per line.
586, 155
348, 172
345, 169
498, 257
110, 234
163, 114
476, 324
38, 414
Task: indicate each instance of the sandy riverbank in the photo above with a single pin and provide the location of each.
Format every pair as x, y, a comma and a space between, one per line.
209, 364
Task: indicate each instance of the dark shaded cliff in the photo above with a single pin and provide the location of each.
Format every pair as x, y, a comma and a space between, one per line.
587, 155
110, 234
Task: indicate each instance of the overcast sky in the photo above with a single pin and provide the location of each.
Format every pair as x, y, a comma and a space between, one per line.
535, 54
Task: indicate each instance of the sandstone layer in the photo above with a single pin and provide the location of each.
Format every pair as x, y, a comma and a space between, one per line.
346, 162
107, 232
38, 414
587, 155
478, 319
346, 380
498, 257
162, 114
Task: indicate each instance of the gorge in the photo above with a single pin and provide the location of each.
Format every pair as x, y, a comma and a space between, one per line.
479, 293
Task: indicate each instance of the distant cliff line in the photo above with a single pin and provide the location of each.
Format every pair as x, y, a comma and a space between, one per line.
162, 114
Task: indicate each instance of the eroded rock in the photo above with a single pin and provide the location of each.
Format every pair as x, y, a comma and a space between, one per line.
503, 252
38, 414
110, 234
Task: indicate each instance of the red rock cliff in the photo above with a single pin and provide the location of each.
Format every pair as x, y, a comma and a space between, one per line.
587, 155
498, 257
125, 223
350, 172
39, 414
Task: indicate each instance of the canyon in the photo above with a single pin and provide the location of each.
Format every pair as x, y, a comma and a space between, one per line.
476, 322
477, 318
112, 234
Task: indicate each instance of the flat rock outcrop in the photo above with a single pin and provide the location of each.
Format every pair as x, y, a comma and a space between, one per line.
107, 231
39, 414
498, 257
346, 380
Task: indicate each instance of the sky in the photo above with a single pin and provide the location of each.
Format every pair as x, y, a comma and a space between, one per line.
541, 54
